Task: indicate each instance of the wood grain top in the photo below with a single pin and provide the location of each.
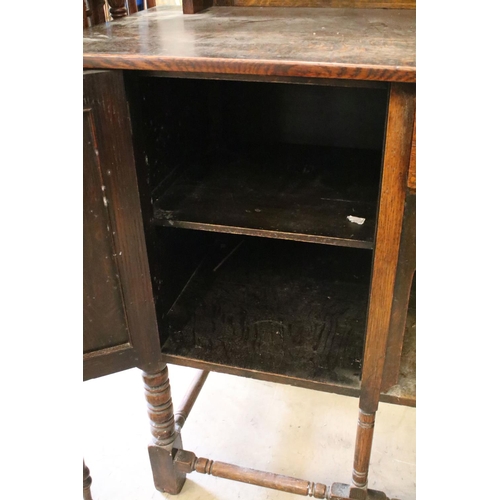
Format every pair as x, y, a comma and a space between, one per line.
360, 44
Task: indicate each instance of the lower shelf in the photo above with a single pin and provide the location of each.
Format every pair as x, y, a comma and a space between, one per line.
291, 313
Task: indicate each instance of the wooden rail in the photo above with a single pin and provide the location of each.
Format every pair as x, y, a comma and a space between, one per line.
186, 462
190, 397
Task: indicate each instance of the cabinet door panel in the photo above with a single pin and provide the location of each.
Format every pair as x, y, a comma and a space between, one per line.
105, 323
120, 328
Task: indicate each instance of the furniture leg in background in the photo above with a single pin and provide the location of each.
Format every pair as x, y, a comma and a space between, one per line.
87, 481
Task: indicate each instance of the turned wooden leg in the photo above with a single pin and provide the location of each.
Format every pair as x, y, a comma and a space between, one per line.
165, 436
87, 481
117, 9
364, 439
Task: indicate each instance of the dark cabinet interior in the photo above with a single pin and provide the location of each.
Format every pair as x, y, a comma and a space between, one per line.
247, 190
278, 160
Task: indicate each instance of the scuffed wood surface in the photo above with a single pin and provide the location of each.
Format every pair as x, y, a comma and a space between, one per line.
362, 44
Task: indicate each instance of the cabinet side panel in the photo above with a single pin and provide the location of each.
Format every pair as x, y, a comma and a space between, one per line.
401, 112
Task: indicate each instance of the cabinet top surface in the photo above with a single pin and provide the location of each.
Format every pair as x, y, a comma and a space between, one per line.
361, 44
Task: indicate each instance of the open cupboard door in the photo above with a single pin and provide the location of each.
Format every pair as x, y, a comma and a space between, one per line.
119, 321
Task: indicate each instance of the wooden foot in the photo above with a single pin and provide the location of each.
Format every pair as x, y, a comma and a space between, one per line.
342, 490
165, 437
87, 481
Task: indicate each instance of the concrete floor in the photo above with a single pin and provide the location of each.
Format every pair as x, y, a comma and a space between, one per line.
271, 427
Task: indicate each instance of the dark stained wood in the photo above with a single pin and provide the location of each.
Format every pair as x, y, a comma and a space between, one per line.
359, 44
360, 4
106, 361
412, 171
160, 409
85, 17
186, 405
161, 415
289, 192
391, 207
402, 288
97, 10
117, 9
105, 322
194, 6
328, 82
119, 316
87, 481
151, 3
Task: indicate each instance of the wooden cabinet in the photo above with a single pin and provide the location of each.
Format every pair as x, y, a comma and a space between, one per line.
245, 207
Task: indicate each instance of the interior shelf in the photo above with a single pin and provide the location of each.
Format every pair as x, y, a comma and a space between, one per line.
293, 192
286, 312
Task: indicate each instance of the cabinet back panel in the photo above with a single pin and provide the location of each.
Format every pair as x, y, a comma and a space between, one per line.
178, 121
295, 114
